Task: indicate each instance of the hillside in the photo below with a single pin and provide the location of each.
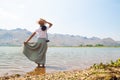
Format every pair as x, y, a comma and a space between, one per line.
18, 36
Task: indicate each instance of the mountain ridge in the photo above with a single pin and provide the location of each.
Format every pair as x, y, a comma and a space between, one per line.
18, 36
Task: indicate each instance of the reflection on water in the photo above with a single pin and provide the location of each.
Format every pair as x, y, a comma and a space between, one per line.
37, 71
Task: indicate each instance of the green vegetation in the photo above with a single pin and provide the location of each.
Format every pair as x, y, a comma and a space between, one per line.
90, 45
104, 66
99, 45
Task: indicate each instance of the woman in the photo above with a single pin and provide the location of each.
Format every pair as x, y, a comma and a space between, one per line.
37, 52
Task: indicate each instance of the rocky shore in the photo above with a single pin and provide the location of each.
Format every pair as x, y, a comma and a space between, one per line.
110, 71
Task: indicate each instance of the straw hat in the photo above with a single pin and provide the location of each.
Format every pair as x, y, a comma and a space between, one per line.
41, 22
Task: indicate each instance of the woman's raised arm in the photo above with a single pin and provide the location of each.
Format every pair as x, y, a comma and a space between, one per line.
50, 24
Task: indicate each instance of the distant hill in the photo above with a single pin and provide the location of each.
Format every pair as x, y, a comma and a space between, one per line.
18, 36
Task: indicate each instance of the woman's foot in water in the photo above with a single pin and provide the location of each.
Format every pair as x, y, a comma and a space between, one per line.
40, 66
43, 66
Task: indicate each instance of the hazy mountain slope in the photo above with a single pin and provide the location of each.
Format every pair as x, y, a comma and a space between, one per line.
18, 36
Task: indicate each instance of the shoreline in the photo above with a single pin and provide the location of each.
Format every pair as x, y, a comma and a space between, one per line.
87, 74
100, 71
67, 46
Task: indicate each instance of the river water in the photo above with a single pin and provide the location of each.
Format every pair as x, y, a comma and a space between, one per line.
12, 60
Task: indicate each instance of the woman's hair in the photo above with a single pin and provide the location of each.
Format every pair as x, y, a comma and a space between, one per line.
43, 28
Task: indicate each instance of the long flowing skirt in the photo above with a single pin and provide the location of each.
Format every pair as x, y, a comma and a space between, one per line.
36, 51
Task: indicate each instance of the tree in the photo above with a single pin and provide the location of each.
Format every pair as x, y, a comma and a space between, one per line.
99, 45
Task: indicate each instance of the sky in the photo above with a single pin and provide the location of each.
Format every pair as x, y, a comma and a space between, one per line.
89, 18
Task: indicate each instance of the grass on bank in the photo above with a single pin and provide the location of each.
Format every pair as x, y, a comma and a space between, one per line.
104, 66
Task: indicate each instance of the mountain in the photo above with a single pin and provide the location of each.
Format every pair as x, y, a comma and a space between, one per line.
18, 36
13, 37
